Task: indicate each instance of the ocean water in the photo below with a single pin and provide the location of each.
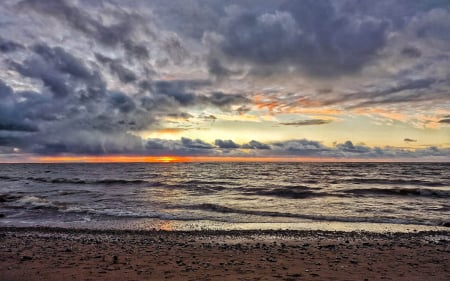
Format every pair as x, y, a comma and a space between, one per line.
225, 195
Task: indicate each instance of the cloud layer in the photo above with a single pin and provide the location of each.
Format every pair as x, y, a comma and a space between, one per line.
99, 77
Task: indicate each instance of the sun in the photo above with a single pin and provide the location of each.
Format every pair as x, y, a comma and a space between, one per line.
168, 159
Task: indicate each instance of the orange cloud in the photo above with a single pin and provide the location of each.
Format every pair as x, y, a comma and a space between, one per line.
171, 130
382, 112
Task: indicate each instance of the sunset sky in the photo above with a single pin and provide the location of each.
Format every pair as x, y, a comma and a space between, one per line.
216, 79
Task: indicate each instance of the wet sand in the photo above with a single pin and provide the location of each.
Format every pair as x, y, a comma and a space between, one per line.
70, 254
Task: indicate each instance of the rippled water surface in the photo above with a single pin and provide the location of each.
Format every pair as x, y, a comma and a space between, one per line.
399, 193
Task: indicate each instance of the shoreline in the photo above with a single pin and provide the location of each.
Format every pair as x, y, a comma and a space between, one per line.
86, 254
145, 224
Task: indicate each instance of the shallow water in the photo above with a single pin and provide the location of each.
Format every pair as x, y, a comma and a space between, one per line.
226, 195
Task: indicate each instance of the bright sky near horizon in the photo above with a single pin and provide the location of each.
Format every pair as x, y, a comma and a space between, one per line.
206, 79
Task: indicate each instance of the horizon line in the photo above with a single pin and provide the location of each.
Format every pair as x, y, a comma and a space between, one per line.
198, 159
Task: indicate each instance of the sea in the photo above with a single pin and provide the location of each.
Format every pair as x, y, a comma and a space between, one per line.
227, 196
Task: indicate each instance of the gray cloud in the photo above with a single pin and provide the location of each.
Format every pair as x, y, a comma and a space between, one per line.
307, 122
7, 46
84, 77
348, 146
124, 74
184, 146
409, 140
115, 34
196, 144
256, 145
226, 144
184, 93
225, 101
411, 52
309, 35
61, 72
400, 91
301, 147
290, 148
89, 142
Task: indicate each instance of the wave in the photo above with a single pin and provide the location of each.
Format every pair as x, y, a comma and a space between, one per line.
8, 178
400, 192
8, 198
29, 202
290, 193
81, 181
227, 210
299, 192
392, 182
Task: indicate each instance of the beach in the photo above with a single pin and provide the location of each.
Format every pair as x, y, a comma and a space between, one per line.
39, 253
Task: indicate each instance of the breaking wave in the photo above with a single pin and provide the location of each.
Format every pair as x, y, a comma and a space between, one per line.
400, 192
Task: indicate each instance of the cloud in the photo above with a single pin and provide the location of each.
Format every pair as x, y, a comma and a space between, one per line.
306, 122
310, 36
184, 93
90, 77
411, 52
290, 148
119, 33
348, 146
184, 146
409, 140
395, 92
226, 144
256, 145
60, 71
446, 120
7, 46
225, 101
196, 144
124, 74
301, 147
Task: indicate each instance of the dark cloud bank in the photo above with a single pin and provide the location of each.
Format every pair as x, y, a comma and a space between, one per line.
92, 94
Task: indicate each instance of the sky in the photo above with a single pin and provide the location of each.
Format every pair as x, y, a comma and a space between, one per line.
159, 80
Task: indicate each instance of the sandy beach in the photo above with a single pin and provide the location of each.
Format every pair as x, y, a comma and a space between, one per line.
69, 254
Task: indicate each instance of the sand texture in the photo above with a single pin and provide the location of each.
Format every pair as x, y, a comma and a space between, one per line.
59, 254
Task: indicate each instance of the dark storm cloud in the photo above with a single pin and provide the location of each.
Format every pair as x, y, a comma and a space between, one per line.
117, 68
308, 35
60, 71
256, 145
196, 144
184, 93
401, 91
350, 150
12, 118
184, 146
15, 126
9, 141
90, 142
307, 122
348, 146
409, 140
226, 144
407, 91
445, 121
7, 46
300, 147
180, 91
224, 101
411, 52
216, 68
290, 148
40, 123
115, 34
61, 51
